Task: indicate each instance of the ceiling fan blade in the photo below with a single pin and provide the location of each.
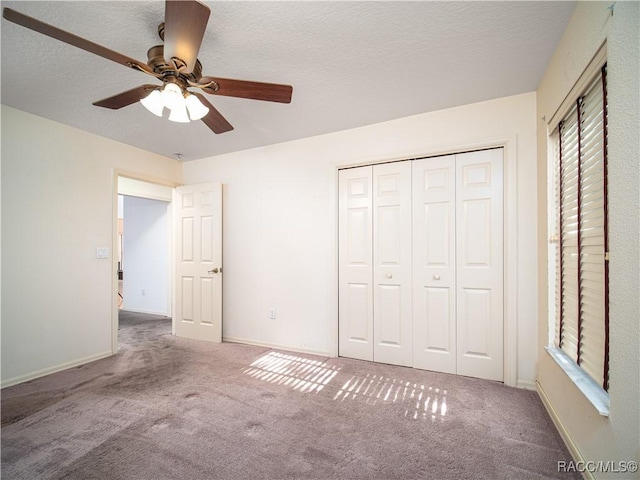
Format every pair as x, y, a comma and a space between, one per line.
126, 98
184, 26
214, 119
74, 40
269, 92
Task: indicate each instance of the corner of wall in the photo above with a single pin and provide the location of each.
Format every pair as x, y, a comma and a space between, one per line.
589, 436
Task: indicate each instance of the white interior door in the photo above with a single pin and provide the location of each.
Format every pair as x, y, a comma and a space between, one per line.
479, 245
198, 265
434, 269
392, 325
421, 263
355, 335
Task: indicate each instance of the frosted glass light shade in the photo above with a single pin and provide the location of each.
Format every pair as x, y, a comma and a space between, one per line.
172, 96
153, 102
196, 109
179, 114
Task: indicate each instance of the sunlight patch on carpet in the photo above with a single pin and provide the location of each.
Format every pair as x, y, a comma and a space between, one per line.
421, 402
307, 375
299, 373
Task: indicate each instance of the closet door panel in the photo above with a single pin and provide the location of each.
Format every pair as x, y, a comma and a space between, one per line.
475, 330
356, 320
355, 272
434, 322
479, 243
389, 311
392, 324
437, 306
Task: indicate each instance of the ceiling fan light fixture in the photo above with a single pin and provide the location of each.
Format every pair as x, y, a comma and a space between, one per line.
172, 96
179, 114
154, 103
195, 107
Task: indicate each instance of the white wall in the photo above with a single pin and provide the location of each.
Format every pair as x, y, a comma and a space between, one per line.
146, 256
280, 220
591, 436
58, 206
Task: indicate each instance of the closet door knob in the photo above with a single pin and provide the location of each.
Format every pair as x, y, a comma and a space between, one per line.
436, 277
388, 275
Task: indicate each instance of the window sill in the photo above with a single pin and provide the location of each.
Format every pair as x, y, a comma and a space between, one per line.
596, 395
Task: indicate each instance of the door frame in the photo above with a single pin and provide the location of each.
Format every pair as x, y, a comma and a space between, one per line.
510, 229
117, 173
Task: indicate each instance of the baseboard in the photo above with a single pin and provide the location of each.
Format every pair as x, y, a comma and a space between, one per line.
58, 368
277, 346
566, 438
527, 384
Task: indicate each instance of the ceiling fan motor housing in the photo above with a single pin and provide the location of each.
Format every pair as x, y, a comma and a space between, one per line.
157, 62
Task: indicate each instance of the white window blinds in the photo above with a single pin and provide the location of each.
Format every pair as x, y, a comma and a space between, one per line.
582, 329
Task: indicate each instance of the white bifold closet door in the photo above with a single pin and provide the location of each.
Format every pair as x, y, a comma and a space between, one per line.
479, 265
355, 271
434, 271
458, 264
421, 263
392, 325
375, 263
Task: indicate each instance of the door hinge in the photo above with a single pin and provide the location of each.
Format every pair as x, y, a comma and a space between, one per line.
606, 256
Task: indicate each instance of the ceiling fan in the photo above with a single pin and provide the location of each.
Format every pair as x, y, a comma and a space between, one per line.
174, 63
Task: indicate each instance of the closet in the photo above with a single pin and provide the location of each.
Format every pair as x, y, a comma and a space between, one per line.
421, 263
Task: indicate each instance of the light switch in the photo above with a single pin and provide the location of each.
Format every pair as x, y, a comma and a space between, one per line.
102, 252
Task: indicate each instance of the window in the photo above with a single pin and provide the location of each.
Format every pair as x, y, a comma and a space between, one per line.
582, 326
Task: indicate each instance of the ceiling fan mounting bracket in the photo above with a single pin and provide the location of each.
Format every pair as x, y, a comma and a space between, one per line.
212, 85
136, 66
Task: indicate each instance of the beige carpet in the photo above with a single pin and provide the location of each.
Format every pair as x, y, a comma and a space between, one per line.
170, 408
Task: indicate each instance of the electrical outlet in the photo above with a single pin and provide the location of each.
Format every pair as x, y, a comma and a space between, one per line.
272, 314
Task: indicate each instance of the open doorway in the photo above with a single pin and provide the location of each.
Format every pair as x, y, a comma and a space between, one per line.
143, 259
120, 250
143, 276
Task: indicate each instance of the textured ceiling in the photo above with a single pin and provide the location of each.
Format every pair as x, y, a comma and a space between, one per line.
350, 63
